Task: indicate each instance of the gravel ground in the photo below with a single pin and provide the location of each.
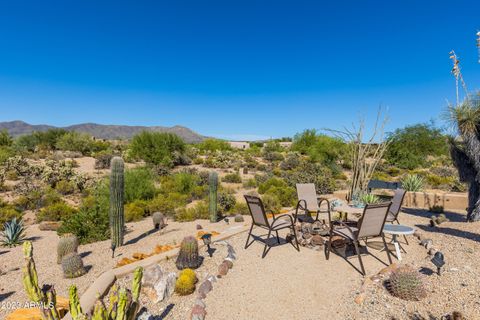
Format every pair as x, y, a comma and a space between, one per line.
287, 284
96, 257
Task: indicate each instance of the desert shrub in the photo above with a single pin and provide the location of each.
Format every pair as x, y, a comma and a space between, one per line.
198, 160
91, 222
5, 139
5, 153
65, 187
226, 202
55, 212
232, 178
168, 203
212, 144
250, 183
198, 211
261, 178
292, 161
369, 198
37, 198
411, 146
240, 208
8, 212
80, 142
413, 182
286, 195
272, 146
262, 167
203, 177
271, 203
270, 183
156, 147
315, 173
102, 159
136, 210
273, 156
185, 183
139, 184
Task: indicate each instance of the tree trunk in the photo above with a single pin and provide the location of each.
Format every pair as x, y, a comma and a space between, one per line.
473, 211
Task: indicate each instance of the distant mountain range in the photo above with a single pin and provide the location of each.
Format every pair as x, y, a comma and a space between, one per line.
17, 128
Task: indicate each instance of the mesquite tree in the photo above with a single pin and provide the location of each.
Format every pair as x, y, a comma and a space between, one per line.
465, 148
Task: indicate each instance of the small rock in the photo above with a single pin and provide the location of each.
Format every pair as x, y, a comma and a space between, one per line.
200, 303
199, 227
306, 227
317, 240
417, 234
228, 262
166, 286
222, 269
432, 251
307, 236
239, 218
198, 313
427, 243
145, 316
151, 276
49, 225
204, 289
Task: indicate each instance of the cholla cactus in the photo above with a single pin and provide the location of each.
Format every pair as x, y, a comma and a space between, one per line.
407, 283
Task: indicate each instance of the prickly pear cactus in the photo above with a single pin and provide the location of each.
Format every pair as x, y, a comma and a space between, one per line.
213, 185
188, 256
68, 243
117, 216
407, 283
72, 265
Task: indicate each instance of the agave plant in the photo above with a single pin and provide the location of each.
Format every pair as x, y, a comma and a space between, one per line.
13, 233
369, 198
412, 182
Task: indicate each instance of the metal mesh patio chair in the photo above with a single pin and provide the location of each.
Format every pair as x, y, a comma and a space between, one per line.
396, 207
309, 203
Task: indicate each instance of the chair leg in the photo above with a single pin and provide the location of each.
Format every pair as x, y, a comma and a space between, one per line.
404, 236
278, 238
357, 250
249, 234
329, 248
266, 244
386, 248
296, 240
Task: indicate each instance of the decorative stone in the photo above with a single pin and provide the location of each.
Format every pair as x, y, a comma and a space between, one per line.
432, 251
307, 236
200, 303
204, 289
306, 227
317, 226
157, 285
317, 240
338, 242
49, 225
417, 234
199, 227
151, 276
198, 313
228, 262
427, 243
145, 316
166, 286
239, 218
222, 269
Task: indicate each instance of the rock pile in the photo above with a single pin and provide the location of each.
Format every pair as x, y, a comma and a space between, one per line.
311, 235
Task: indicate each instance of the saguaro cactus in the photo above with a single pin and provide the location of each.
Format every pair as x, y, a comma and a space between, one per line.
117, 216
213, 184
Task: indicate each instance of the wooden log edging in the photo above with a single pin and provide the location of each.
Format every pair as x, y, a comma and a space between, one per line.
103, 283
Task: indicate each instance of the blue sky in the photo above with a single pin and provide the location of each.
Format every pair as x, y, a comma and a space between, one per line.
233, 69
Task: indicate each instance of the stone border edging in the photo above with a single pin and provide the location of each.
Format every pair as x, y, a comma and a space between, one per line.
103, 283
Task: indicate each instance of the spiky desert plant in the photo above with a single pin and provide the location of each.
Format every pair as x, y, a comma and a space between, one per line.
184, 285
412, 182
117, 215
188, 256
213, 184
369, 198
13, 233
68, 243
72, 266
158, 220
189, 273
407, 283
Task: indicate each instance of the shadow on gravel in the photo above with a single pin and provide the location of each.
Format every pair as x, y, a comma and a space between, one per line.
4, 296
452, 216
451, 232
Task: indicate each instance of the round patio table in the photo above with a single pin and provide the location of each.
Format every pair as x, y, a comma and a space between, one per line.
397, 230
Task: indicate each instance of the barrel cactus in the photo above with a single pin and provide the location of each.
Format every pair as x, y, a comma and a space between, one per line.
213, 185
117, 215
68, 243
158, 220
407, 283
72, 266
185, 284
188, 256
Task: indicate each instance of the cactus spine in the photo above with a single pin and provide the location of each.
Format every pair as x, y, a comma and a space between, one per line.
407, 283
188, 256
67, 244
72, 266
117, 216
213, 184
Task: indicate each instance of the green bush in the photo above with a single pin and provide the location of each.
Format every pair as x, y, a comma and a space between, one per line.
232, 178
287, 196
198, 211
240, 208
168, 203
139, 184
8, 212
80, 142
65, 187
226, 202
55, 212
5, 153
270, 183
37, 198
271, 203
136, 210
90, 224
250, 183
413, 182
314, 173
411, 146
292, 161
156, 147
5, 139
273, 156
212, 144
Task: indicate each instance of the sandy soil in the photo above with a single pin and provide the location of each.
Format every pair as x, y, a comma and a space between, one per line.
96, 256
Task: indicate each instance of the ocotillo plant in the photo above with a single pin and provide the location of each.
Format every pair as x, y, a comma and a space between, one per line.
117, 216
213, 184
123, 303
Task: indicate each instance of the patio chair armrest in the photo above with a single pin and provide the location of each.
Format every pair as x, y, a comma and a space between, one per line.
284, 215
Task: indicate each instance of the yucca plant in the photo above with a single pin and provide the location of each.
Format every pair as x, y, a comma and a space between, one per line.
413, 182
13, 233
369, 198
